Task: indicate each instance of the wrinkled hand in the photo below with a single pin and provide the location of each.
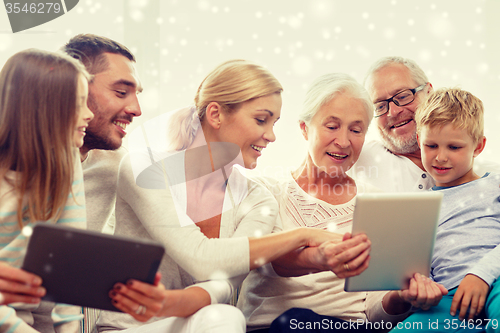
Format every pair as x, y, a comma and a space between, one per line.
423, 293
141, 300
347, 258
17, 285
472, 293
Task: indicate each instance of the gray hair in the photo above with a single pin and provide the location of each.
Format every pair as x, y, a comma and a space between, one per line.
326, 87
416, 73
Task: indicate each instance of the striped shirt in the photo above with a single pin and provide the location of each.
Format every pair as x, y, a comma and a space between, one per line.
13, 243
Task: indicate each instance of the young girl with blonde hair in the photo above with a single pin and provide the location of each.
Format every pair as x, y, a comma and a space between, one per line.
43, 117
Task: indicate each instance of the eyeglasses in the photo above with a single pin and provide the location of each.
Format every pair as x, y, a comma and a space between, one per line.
402, 98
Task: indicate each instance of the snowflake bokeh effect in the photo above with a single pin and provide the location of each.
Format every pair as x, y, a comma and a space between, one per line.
178, 42
27, 231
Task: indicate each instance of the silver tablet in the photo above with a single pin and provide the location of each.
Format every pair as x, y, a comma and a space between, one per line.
402, 229
80, 267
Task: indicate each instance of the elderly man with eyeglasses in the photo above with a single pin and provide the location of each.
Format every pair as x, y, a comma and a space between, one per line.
397, 86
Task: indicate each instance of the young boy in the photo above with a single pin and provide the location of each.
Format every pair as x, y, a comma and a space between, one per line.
466, 256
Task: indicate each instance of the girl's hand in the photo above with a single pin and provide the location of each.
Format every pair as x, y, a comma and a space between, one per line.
17, 285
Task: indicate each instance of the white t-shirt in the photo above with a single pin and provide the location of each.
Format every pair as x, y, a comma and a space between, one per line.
265, 296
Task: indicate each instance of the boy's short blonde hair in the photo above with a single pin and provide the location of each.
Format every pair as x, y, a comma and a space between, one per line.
452, 106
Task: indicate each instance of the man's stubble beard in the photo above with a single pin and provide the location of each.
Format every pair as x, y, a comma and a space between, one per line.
97, 138
399, 146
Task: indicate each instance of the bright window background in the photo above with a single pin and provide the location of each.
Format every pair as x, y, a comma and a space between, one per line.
178, 42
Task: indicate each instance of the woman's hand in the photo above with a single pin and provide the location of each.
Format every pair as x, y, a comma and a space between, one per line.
422, 293
144, 301
141, 300
350, 257
472, 293
316, 237
343, 255
17, 285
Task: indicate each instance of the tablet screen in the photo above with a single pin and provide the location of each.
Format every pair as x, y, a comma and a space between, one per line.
402, 228
80, 267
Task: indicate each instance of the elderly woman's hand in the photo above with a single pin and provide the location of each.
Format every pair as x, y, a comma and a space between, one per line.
343, 255
17, 285
422, 293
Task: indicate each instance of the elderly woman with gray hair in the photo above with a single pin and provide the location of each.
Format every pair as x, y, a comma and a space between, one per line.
319, 194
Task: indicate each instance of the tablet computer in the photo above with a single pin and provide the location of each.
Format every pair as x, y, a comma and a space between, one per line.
402, 228
80, 267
